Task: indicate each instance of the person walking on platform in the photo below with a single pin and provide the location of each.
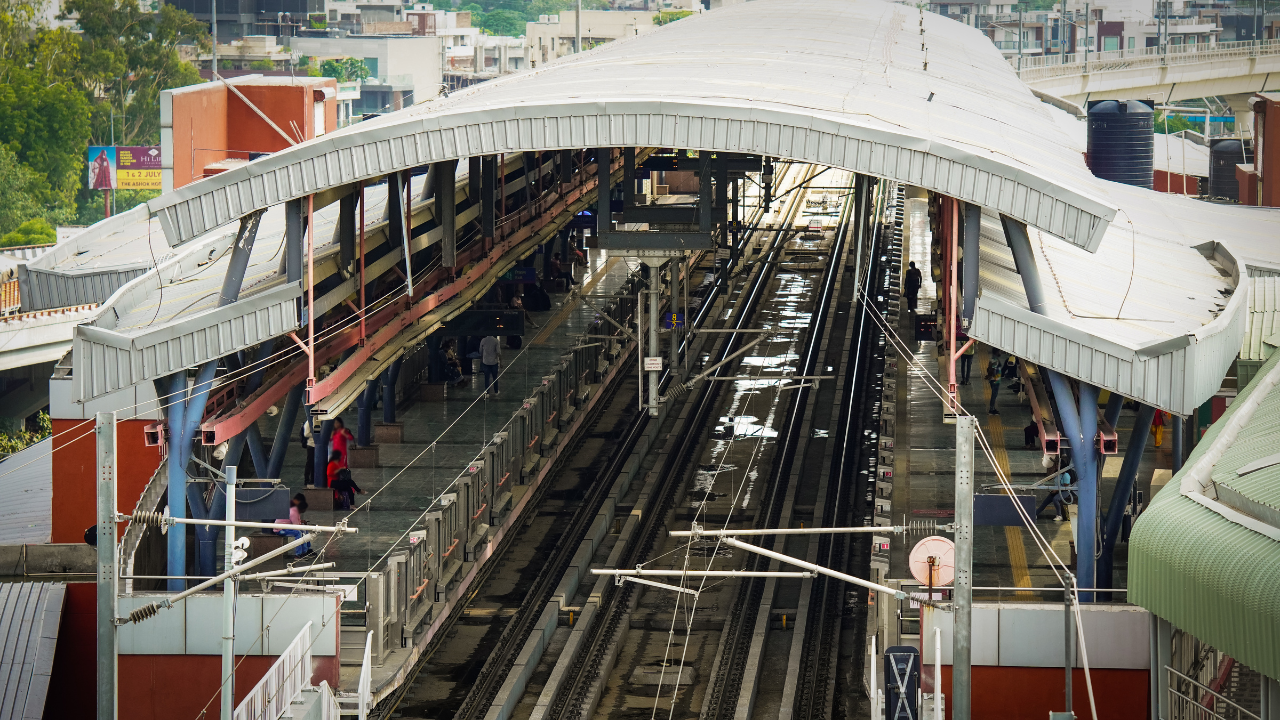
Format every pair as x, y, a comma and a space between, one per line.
490, 364
911, 286
966, 363
993, 379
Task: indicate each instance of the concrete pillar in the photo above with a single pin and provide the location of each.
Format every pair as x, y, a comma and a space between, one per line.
1239, 105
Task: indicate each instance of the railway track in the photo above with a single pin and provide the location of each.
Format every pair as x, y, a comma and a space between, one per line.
497, 656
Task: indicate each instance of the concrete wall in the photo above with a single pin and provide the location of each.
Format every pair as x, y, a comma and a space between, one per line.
546, 41
205, 124
417, 58
1018, 660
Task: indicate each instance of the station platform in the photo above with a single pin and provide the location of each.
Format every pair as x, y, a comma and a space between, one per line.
410, 474
924, 464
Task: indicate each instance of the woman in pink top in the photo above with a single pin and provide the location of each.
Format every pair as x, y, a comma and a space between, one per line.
297, 506
341, 438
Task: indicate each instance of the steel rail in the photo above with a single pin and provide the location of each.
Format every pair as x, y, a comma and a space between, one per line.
726, 683
570, 702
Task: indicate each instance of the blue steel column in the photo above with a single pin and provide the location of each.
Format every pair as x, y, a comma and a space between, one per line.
389, 378
1120, 498
174, 395
323, 437
1086, 460
235, 447
364, 416
205, 534
1114, 404
1080, 423
284, 433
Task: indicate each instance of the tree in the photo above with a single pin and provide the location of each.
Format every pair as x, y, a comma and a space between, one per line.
22, 193
129, 56
345, 69
32, 232
501, 22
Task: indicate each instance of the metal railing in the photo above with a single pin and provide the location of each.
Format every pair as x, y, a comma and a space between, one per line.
282, 684
1013, 44
1050, 66
329, 709
1191, 700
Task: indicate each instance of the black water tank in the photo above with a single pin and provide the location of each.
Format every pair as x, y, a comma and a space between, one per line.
1224, 155
1121, 144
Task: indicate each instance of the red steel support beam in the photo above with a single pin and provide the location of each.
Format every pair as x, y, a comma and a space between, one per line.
391, 320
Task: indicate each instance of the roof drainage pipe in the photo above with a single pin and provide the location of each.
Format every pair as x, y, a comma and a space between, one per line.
1080, 422
1120, 498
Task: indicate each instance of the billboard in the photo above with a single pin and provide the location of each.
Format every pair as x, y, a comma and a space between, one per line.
123, 168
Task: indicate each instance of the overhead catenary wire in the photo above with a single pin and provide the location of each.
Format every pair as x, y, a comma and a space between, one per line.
936, 387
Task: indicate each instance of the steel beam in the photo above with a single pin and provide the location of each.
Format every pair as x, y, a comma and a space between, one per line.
683, 214
962, 588
108, 603
972, 243
642, 240
604, 186
488, 194
294, 220
346, 234
284, 432
446, 211
1120, 497
364, 413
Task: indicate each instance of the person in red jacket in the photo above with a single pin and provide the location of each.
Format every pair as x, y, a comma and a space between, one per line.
342, 438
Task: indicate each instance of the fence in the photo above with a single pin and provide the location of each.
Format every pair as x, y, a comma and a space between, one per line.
282, 684
1031, 69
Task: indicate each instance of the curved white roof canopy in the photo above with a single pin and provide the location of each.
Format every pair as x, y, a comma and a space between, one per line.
868, 86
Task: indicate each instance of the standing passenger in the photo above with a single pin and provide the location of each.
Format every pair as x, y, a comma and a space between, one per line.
342, 437
912, 285
490, 364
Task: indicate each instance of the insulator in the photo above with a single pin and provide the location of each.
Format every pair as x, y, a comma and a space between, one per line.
148, 517
922, 527
146, 611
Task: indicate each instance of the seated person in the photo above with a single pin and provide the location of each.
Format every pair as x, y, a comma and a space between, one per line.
297, 506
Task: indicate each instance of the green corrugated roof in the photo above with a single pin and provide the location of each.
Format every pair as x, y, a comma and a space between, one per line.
1264, 319
1205, 574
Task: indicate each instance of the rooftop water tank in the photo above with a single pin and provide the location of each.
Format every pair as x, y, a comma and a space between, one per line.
1121, 144
1224, 155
